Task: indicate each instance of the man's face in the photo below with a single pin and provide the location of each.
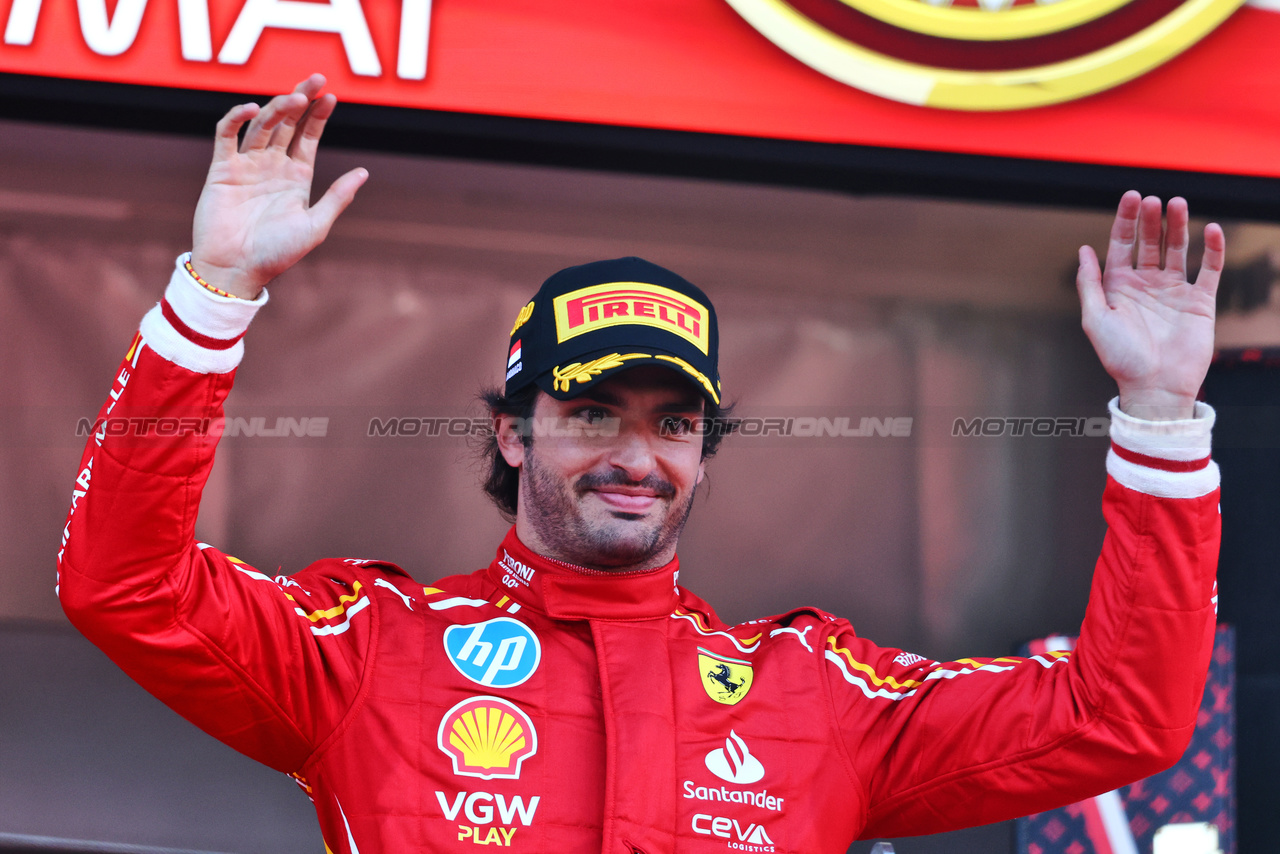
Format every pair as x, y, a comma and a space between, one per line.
609, 477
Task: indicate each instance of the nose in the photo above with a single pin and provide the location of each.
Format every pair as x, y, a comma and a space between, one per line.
633, 454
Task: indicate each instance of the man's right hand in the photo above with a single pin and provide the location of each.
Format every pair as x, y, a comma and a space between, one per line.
255, 219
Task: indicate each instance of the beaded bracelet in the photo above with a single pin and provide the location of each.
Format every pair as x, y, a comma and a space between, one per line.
219, 291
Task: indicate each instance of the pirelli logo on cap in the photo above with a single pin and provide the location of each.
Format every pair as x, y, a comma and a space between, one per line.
618, 303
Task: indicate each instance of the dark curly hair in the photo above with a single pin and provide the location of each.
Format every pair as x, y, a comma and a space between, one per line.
502, 480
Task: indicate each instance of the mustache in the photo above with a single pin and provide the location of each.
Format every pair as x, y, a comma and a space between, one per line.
653, 482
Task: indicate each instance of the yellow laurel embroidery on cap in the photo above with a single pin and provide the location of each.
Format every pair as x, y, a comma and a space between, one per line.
522, 318
585, 372
695, 373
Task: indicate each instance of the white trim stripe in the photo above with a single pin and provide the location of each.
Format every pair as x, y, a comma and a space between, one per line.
1046, 663
254, 574
854, 679
338, 628
884, 693
1163, 484
705, 633
351, 842
456, 601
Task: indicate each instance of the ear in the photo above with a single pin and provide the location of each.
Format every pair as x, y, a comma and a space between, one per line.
702, 472
508, 429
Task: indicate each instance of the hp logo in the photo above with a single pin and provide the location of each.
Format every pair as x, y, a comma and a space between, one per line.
499, 653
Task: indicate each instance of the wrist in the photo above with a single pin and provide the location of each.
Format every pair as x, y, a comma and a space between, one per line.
1157, 404
196, 328
224, 281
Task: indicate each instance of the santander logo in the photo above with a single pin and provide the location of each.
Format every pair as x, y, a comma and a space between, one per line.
734, 763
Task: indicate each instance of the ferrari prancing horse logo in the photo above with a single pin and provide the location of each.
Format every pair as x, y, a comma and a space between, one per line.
726, 680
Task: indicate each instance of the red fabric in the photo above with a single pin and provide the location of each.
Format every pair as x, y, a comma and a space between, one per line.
344, 676
193, 336
1158, 463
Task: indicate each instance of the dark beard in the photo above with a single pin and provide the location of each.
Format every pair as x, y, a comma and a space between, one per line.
554, 516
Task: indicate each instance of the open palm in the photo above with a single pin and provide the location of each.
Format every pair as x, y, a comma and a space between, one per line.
1150, 326
255, 219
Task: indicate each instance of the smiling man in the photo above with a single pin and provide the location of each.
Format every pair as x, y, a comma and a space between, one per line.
572, 696
627, 348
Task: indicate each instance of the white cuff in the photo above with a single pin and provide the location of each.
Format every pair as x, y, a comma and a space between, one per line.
1168, 459
196, 328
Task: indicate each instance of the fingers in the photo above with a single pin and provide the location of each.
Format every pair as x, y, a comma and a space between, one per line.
1093, 301
227, 137
1215, 254
278, 109
274, 125
282, 137
1124, 231
1136, 235
335, 200
1176, 237
1149, 228
306, 139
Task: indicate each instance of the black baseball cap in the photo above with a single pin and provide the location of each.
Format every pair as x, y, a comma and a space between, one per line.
588, 322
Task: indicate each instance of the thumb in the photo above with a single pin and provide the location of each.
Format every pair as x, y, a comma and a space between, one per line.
341, 192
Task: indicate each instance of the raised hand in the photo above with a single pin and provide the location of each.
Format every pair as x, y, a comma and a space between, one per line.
255, 219
1150, 326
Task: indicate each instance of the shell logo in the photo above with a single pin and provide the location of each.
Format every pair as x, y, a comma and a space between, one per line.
487, 737
984, 55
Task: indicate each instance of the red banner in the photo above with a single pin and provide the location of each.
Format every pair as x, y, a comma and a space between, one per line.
1191, 85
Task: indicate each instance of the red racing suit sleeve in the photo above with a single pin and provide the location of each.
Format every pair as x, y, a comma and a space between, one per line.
238, 653
941, 745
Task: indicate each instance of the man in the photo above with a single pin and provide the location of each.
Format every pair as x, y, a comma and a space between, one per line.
571, 697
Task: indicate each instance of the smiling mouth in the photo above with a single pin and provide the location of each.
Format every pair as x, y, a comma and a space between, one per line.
623, 497
625, 502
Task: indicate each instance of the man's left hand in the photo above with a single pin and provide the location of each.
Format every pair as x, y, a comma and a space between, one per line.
1152, 329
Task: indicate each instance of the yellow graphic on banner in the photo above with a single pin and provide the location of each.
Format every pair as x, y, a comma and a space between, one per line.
637, 303
988, 21
1094, 69
726, 680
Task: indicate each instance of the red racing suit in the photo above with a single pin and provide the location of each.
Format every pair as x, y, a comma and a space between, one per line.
539, 707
